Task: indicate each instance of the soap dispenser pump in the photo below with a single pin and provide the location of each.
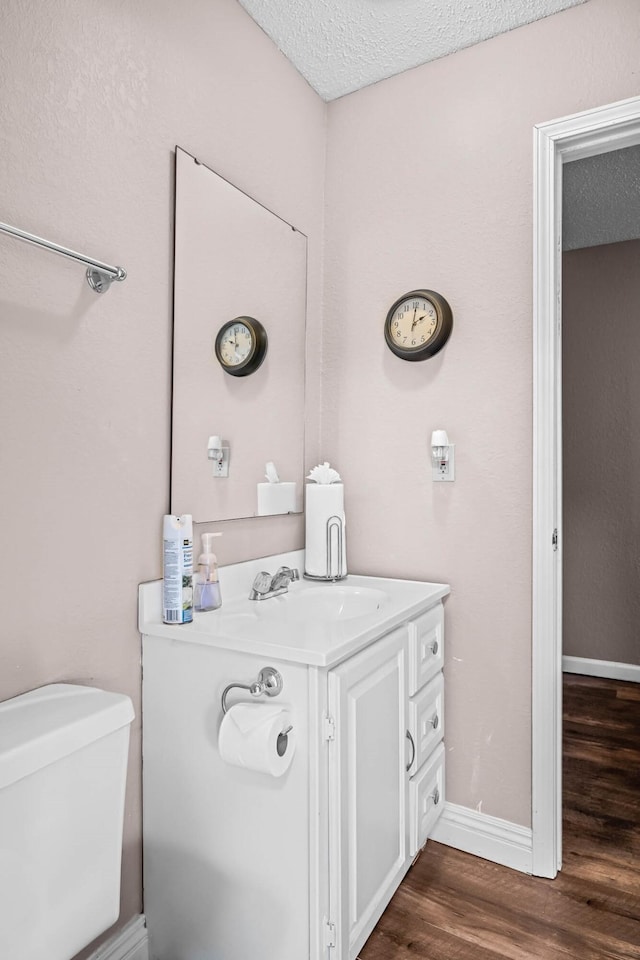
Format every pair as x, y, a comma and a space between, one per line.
207, 594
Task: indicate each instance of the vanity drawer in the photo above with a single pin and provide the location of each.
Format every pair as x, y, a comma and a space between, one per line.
426, 719
426, 799
426, 647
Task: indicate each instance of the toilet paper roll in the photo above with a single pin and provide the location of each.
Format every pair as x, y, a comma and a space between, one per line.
258, 736
324, 500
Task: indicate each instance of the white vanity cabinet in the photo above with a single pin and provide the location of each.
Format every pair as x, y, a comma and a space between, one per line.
299, 867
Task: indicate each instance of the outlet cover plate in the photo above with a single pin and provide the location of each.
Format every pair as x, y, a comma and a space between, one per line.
442, 473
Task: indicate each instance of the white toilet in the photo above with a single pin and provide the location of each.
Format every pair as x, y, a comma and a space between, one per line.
63, 761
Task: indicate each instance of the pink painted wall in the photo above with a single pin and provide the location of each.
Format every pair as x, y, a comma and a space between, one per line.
429, 184
94, 98
601, 452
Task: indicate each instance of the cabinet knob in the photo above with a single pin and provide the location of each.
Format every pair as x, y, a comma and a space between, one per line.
435, 721
413, 751
435, 796
434, 647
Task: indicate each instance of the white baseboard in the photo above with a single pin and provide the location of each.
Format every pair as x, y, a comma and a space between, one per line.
131, 942
488, 837
608, 669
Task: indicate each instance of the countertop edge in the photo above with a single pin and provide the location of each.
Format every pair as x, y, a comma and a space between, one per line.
182, 632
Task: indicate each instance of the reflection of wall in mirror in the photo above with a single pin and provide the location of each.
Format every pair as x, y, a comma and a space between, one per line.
233, 257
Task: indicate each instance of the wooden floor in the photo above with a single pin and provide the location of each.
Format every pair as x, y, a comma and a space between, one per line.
452, 906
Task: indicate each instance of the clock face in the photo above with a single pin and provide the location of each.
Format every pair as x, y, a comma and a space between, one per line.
241, 346
413, 323
418, 325
236, 344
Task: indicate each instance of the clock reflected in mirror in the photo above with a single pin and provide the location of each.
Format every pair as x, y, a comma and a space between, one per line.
241, 346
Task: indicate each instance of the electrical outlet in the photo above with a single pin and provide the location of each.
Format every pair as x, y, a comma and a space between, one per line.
221, 469
443, 470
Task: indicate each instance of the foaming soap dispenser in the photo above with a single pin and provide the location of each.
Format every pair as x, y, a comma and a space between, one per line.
207, 594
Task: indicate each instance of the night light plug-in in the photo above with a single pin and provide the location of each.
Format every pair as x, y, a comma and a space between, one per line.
442, 457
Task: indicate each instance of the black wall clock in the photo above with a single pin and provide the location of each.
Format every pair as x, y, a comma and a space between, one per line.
418, 325
241, 346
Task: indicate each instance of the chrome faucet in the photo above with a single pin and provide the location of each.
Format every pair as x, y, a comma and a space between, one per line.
266, 586
283, 577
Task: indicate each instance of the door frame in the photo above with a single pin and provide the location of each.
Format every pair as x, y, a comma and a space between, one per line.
586, 134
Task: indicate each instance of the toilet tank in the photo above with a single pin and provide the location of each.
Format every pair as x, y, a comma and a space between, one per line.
63, 761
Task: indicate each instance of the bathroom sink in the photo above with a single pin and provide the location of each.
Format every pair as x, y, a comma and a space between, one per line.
323, 603
314, 622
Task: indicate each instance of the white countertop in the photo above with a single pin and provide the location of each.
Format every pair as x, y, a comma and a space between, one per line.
264, 627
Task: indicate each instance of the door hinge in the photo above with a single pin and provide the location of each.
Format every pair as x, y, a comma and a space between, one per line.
554, 539
329, 728
329, 935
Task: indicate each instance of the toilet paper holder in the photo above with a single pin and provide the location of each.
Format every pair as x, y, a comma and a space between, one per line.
269, 684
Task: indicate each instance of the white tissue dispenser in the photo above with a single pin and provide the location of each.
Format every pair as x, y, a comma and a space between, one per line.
276, 498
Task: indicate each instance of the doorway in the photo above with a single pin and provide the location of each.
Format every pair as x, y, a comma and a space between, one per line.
587, 134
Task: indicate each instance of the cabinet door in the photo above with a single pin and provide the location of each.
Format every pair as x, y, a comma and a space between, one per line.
369, 836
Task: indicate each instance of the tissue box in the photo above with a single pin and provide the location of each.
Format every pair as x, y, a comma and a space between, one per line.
276, 498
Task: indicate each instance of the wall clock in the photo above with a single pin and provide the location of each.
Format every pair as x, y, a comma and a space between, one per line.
241, 346
418, 325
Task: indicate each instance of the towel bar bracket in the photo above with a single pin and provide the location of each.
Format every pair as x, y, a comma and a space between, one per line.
100, 281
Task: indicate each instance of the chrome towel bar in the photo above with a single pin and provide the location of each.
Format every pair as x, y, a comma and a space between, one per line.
99, 275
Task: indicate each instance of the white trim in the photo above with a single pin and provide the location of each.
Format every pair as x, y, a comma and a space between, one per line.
586, 134
608, 669
488, 837
546, 565
131, 942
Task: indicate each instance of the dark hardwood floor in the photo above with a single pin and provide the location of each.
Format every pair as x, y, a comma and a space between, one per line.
452, 906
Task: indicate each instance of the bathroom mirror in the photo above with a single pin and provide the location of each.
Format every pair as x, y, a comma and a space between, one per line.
234, 259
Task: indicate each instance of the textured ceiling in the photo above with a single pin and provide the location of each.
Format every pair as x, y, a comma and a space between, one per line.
342, 45
601, 199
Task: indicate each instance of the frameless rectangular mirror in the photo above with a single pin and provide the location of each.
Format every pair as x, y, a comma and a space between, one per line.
238, 351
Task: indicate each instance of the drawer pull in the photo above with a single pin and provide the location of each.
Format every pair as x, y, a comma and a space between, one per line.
435, 721
434, 647
435, 796
413, 751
